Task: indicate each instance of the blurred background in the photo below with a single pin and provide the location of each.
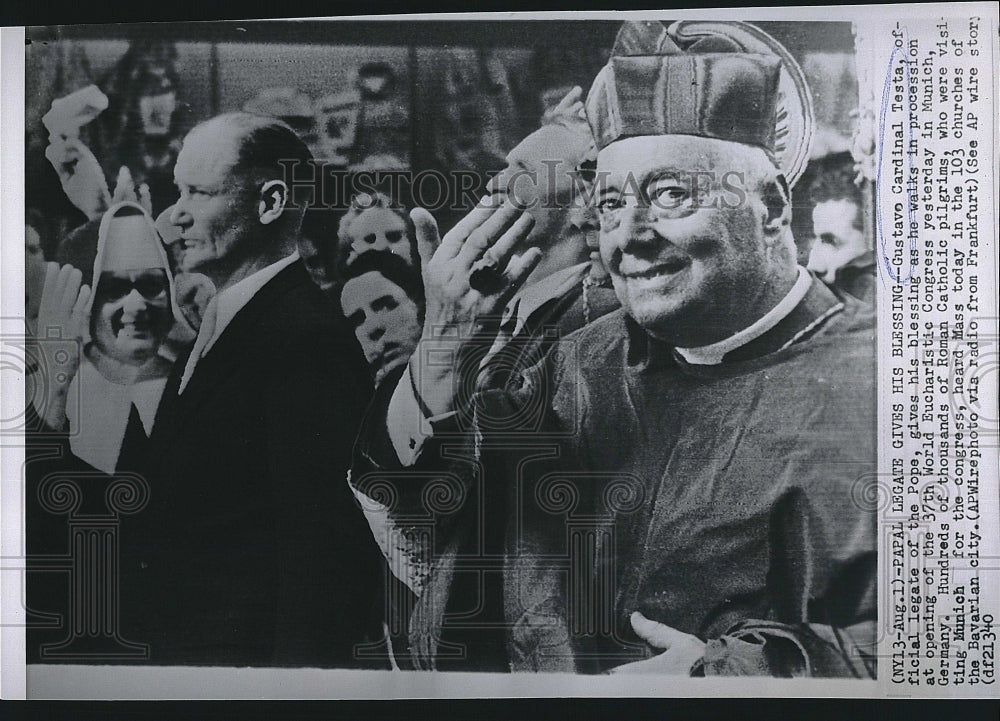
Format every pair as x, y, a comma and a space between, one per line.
381, 95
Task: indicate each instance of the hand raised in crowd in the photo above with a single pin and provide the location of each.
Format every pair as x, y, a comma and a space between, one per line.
80, 174
485, 239
62, 320
680, 650
126, 190
571, 104
468, 276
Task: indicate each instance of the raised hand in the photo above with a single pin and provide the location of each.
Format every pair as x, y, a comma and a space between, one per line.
485, 238
80, 175
481, 247
62, 320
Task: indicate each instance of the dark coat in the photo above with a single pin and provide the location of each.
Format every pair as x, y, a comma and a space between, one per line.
713, 499
718, 500
252, 550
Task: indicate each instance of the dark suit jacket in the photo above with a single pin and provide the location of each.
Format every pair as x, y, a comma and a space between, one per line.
252, 550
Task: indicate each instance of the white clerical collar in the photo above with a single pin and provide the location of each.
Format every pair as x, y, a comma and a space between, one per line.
710, 355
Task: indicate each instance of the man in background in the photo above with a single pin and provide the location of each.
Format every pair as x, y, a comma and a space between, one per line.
251, 550
542, 175
841, 253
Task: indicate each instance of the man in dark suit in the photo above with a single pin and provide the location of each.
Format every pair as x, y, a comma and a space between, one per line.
251, 550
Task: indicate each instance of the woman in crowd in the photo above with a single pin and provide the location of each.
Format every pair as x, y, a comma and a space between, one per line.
374, 222
383, 299
122, 325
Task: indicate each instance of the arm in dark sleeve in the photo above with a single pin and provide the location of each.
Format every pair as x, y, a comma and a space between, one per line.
449, 463
416, 499
823, 611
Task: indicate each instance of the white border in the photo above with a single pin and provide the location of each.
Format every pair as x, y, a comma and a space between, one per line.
117, 682
169, 683
12, 670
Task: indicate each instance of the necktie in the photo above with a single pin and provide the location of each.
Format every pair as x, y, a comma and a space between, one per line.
205, 333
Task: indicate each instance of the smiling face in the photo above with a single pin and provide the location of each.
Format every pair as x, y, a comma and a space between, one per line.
386, 321
131, 315
217, 210
687, 265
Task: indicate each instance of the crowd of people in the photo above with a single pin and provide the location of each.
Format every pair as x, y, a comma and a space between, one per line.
601, 424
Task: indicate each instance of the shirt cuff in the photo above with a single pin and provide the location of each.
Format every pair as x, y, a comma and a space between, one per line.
406, 423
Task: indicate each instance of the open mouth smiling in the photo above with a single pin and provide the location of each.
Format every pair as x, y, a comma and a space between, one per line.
662, 268
137, 328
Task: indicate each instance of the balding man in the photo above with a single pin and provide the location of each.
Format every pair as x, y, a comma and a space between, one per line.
546, 175
251, 550
687, 498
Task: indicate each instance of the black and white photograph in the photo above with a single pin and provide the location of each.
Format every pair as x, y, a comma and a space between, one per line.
650, 354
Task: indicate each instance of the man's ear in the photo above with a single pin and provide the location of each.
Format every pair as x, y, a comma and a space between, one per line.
778, 207
273, 197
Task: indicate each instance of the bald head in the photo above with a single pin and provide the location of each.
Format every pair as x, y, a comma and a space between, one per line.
236, 213
264, 148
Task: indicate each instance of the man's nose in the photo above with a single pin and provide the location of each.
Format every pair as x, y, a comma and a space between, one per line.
636, 228
381, 242
375, 331
133, 302
498, 183
819, 262
180, 215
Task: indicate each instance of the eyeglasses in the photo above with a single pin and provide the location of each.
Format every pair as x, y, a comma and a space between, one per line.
150, 285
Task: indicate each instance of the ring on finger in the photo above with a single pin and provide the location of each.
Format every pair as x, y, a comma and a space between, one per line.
487, 277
